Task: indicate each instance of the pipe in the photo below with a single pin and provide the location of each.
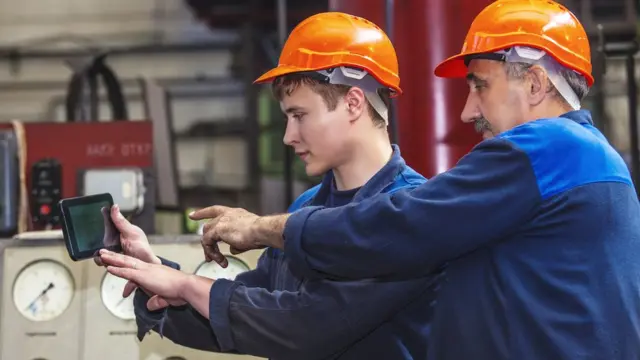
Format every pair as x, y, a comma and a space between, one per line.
94, 105
249, 54
282, 21
633, 117
389, 14
599, 69
51, 85
17, 53
432, 137
186, 93
288, 151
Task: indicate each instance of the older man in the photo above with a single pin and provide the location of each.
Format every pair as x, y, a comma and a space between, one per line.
538, 226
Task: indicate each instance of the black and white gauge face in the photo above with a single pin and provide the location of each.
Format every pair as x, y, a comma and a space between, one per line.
111, 293
214, 271
43, 290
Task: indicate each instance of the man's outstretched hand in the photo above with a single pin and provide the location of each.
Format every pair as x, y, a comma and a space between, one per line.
164, 283
239, 228
229, 225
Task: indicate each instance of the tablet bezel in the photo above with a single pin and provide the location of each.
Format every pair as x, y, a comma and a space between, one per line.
70, 240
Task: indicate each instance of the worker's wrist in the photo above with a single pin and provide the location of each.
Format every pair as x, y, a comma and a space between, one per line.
189, 287
269, 230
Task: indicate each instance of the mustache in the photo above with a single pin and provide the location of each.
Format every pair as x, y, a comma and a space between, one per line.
481, 125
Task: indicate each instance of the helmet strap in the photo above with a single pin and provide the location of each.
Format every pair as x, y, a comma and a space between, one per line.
528, 55
343, 75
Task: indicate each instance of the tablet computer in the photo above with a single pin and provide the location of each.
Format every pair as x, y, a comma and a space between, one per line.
87, 226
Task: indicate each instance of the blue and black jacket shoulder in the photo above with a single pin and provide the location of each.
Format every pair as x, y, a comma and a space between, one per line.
539, 230
270, 312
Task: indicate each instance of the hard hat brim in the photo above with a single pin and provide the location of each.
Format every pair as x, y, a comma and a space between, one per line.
281, 70
453, 67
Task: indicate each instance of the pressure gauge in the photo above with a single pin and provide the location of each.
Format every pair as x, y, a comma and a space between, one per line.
43, 290
111, 293
214, 271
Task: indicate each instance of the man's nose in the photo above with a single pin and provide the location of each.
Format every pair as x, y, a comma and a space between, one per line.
471, 110
290, 134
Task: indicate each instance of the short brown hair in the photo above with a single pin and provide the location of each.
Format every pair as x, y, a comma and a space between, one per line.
330, 93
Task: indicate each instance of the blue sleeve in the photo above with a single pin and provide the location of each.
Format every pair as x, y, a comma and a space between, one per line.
489, 194
260, 276
318, 321
183, 325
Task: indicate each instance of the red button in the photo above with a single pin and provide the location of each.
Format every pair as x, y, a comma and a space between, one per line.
45, 210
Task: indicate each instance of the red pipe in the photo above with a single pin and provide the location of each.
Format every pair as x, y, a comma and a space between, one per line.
432, 137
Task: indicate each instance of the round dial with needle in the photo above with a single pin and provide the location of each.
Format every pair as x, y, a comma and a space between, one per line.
111, 293
214, 271
43, 290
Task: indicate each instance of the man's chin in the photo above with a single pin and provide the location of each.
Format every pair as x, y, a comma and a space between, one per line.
314, 170
487, 135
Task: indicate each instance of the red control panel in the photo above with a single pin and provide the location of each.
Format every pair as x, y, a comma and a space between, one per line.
76, 147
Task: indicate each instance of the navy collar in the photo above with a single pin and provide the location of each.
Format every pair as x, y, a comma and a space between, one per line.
582, 117
375, 185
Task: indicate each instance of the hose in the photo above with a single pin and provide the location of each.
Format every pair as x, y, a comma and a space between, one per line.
90, 74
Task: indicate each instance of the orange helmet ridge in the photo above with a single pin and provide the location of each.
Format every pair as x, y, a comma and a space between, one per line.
541, 24
333, 39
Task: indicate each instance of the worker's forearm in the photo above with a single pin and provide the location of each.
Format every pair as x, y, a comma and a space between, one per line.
268, 230
195, 290
410, 233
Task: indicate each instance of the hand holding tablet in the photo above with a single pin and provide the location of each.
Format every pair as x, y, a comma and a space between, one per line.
87, 226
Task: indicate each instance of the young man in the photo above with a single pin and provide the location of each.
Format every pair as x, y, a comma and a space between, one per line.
334, 80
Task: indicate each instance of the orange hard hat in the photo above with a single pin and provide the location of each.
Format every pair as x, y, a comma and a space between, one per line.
540, 24
333, 39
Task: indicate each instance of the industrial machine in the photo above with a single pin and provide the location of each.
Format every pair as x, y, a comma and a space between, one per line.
74, 159
54, 308
51, 160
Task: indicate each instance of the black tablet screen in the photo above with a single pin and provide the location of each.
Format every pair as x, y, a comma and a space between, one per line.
92, 226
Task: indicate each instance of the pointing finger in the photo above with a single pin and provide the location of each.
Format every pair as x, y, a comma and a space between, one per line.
209, 212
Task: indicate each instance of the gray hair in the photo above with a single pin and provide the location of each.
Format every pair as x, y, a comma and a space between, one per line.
577, 82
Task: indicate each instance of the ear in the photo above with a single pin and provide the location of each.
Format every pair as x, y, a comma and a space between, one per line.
355, 102
537, 85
